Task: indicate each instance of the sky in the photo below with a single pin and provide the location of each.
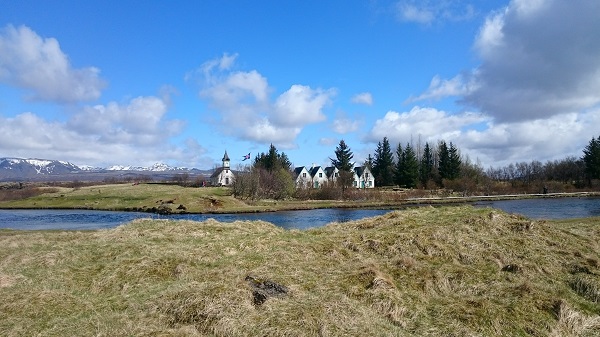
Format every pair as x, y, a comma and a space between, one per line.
125, 82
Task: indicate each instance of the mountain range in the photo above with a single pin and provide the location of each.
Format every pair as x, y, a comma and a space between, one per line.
19, 169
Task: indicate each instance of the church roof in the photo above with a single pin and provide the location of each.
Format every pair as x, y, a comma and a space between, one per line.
226, 157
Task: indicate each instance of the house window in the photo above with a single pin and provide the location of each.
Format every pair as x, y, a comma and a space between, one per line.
304, 175
320, 175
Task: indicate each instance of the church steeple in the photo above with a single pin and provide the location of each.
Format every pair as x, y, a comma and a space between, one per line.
226, 160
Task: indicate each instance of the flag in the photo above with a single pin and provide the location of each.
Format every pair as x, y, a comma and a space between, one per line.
246, 156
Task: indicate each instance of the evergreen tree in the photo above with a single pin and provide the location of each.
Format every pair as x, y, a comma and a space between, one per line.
455, 162
410, 170
343, 157
399, 167
272, 161
443, 160
426, 166
383, 164
343, 162
591, 158
449, 161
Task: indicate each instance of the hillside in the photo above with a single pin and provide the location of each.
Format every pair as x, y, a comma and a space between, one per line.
450, 271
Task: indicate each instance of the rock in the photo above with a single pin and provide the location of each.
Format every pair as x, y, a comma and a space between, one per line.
263, 289
511, 268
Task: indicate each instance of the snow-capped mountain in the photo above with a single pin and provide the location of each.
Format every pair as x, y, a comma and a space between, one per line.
25, 167
158, 167
18, 169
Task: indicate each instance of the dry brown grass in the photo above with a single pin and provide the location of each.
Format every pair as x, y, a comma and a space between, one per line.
452, 271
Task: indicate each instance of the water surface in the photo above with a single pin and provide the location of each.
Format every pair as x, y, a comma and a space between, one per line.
87, 219
548, 208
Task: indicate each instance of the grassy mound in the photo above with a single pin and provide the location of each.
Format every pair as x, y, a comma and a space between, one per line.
452, 271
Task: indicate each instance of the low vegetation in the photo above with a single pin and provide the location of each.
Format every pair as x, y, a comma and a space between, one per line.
449, 271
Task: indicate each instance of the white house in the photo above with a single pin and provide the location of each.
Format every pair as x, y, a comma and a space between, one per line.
363, 178
223, 176
332, 173
302, 177
319, 177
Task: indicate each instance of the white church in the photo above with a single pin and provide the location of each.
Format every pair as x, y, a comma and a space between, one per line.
223, 176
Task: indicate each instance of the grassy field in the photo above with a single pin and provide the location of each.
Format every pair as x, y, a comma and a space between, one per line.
448, 271
152, 197
142, 197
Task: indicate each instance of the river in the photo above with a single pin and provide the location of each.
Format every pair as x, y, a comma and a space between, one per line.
554, 208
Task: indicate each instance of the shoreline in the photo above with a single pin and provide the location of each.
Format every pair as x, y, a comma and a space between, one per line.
278, 206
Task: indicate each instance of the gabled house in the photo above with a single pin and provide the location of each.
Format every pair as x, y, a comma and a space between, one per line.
223, 176
332, 173
363, 178
319, 177
302, 177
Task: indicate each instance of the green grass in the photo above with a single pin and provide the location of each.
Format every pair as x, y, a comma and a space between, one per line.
133, 197
450, 271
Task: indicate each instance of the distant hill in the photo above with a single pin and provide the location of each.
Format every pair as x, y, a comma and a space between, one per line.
19, 169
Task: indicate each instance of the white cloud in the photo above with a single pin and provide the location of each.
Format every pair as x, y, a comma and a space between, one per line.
429, 123
542, 139
345, 125
440, 88
363, 98
246, 111
38, 65
427, 12
411, 13
538, 59
136, 133
493, 144
327, 141
140, 122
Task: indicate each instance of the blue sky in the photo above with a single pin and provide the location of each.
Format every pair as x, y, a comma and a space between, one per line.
179, 82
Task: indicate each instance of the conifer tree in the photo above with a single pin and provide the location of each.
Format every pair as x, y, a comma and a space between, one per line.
272, 160
343, 157
426, 165
343, 162
455, 162
383, 164
443, 160
591, 158
410, 173
449, 161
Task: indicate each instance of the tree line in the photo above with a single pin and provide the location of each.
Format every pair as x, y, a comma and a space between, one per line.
410, 168
428, 166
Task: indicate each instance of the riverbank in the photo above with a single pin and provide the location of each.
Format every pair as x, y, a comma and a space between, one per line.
444, 271
170, 199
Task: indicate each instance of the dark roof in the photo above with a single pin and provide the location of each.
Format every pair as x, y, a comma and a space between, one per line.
217, 172
314, 170
226, 157
297, 171
329, 171
359, 170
